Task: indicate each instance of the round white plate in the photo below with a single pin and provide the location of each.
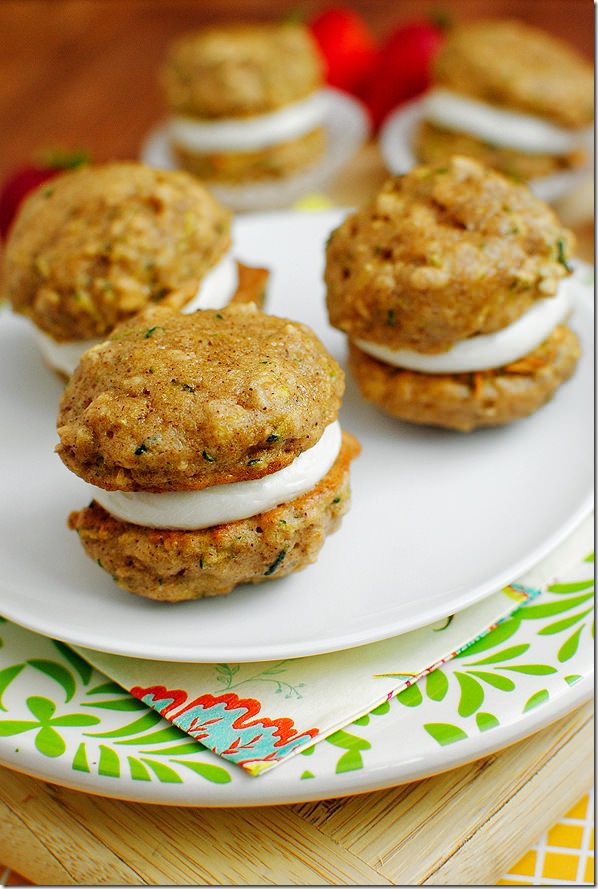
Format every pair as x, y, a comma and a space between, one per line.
438, 519
347, 128
396, 145
64, 722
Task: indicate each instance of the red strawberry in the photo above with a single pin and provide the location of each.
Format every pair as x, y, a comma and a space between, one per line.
29, 176
402, 69
346, 44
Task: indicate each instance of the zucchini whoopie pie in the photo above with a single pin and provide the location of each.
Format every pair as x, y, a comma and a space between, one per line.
452, 287
97, 244
516, 98
212, 447
245, 101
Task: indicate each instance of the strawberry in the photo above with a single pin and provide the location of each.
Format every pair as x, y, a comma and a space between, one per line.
402, 69
29, 176
346, 44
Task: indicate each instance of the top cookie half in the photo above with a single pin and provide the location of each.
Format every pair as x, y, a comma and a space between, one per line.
508, 63
443, 253
95, 245
180, 402
239, 70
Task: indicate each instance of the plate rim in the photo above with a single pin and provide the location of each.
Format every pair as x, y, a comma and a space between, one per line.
389, 765
329, 218
357, 782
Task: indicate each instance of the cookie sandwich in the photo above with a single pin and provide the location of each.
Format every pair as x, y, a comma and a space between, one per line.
511, 95
245, 101
453, 287
98, 244
212, 448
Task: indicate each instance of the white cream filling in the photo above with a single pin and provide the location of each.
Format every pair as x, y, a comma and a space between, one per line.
216, 288
510, 129
252, 133
188, 510
214, 291
63, 357
485, 351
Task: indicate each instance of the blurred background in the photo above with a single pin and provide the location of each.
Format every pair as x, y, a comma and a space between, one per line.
82, 73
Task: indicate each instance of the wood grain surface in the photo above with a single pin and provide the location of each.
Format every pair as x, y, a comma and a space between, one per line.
82, 74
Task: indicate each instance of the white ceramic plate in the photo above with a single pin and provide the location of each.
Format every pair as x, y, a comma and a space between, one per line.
64, 722
396, 144
347, 127
438, 520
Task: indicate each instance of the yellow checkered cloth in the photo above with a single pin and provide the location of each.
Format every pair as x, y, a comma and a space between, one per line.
564, 856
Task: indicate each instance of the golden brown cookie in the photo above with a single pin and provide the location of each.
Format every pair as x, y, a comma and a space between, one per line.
441, 254
98, 244
252, 283
435, 144
509, 63
451, 287
226, 87
511, 66
181, 402
467, 401
240, 167
173, 566
235, 409
240, 69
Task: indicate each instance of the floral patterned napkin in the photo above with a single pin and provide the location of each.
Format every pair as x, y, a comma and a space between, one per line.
257, 715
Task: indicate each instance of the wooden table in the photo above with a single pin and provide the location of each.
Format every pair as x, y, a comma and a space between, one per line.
81, 73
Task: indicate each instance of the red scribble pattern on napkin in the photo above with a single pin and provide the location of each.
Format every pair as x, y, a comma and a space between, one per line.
226, 724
